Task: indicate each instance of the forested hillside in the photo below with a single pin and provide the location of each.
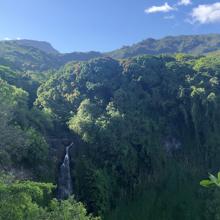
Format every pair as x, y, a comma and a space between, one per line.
145, 131
38, 56
148, 125
194, 44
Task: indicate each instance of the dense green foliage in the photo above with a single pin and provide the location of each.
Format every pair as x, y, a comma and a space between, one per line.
138, 119
21, 144
145, 131
34, 201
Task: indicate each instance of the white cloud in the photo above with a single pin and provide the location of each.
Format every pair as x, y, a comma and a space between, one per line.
7, 38
185, 2
18, 38
209, 13
163, 8
169, 17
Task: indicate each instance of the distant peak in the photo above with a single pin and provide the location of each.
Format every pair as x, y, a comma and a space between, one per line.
40, 45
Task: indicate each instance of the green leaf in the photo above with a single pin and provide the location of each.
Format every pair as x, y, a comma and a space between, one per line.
213, 179
206, 183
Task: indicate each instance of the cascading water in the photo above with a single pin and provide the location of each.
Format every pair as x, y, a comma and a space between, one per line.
64, 180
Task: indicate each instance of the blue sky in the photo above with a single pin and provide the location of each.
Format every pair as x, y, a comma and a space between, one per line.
104, 25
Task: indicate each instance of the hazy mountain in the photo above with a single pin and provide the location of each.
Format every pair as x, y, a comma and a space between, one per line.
40, 45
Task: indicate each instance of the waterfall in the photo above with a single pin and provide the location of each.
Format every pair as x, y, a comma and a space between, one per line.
64, 180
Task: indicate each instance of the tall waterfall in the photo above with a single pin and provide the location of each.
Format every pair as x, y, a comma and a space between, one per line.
64, 180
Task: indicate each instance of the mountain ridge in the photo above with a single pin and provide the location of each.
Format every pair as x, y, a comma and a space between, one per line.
41, 55
189, 44
41, 45
38, 44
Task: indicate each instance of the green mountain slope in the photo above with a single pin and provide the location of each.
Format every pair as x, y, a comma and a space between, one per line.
192, 44
41, 56
23, 55
146, 131
148, 125
41, 45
